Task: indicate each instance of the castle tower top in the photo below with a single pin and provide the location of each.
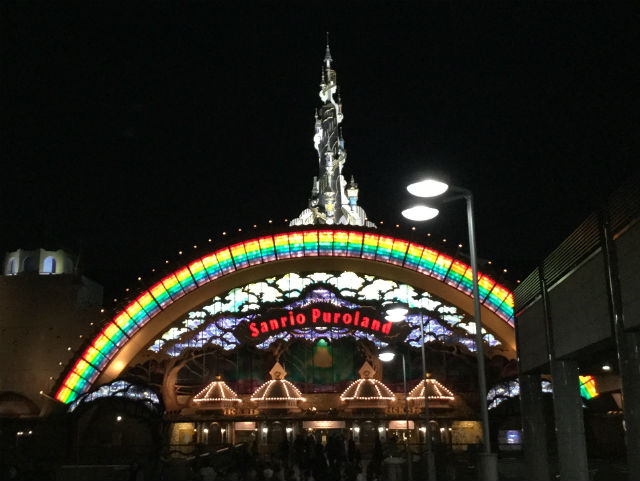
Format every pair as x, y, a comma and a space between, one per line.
332, 200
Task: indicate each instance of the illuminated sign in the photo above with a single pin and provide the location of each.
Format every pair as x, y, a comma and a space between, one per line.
321, 315
245, 426
323, 424
400, 424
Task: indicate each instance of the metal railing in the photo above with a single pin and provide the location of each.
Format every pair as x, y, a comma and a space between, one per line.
623, 209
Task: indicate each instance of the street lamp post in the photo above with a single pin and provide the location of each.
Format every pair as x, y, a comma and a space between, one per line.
397, 314
434, 188
431, 466
387, 356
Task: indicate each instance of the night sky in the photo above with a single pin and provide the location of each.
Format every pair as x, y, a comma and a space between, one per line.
132, 133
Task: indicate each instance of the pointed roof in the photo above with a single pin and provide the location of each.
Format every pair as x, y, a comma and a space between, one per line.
366, 371
216, 391
277, 371
435, 391
278, 388
367, 388
327, 54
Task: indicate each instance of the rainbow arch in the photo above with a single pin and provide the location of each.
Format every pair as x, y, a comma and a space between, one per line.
309, 243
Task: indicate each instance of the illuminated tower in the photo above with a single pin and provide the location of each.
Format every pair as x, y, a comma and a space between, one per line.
332, 201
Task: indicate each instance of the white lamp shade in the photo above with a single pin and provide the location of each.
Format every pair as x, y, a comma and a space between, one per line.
386, 356
397, 311
420, 213
427, 188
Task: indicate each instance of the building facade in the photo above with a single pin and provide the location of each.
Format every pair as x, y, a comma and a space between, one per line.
277, 335
46, 310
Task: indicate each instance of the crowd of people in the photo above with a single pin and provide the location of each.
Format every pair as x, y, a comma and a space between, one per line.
304, 459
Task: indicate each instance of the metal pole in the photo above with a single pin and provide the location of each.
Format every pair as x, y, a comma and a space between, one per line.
482, 381
626, 348
431, 468
488, 466
406, 412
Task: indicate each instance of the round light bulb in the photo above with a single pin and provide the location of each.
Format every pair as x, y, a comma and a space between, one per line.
427, 188
420, 213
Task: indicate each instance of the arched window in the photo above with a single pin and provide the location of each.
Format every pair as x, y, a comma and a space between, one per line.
11, 267
30, 264
49, 266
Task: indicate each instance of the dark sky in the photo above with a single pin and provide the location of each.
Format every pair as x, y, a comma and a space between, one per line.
131, 133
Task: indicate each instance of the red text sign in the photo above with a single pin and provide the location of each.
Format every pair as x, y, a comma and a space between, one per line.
321, 316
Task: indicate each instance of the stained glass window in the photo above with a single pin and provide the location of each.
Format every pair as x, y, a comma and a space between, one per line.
216, 322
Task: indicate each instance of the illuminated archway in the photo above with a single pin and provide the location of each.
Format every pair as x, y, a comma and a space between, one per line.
132, 329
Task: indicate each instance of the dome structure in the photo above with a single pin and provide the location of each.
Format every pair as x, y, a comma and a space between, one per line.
216, 396
278, 393
367, 392
437, 394
13, 404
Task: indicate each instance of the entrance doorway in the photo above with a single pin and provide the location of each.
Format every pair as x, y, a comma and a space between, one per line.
368, 435
215, 434
277, 434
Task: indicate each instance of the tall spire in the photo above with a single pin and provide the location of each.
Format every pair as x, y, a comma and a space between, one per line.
327, 54
332, 200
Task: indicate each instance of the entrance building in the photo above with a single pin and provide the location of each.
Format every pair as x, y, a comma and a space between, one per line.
274, 335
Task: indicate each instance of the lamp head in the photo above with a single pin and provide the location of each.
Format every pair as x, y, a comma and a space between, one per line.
386, 356
396, 312
429, 187
420, 212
